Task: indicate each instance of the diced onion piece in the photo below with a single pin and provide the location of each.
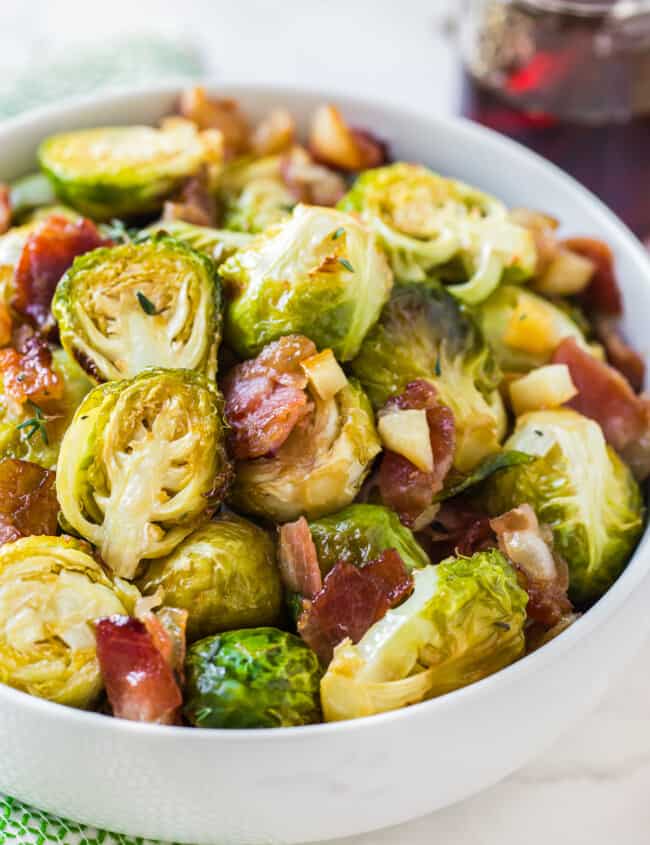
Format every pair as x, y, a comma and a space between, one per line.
332, 142
407, 433
275, 133
324, 373
566, 275
532, 329
546, 387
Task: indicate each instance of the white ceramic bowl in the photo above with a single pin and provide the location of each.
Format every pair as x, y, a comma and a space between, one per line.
303, 784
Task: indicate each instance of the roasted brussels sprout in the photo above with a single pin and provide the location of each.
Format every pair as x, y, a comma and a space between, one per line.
424, 221
142, 464
321, 273
51, 590
524, 329
360, 533
319, 468
254, 678
581, 488
464, 621
217, 244
120, 171
224, 574
254, 194
33, 432
152, 304
423, 333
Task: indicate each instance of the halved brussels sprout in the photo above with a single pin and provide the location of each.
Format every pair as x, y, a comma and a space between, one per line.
424, 221
120, 171
524, 329
51, 590
142, 464
360, 533
464, 621
321, 273
581, 488
224, 574
217, 244
40, 442
319, 468
254, 194
153, 304
423, 333
255, 678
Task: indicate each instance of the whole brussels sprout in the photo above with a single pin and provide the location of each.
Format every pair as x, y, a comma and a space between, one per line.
423, 333
51, 590
578, 486
424, 221
33, 432
224, 574
319, 468
360, 533
154, 304
255, 678
120, 171
217, 244
142, 464
524, 329
253, 194
321, 274
464, 621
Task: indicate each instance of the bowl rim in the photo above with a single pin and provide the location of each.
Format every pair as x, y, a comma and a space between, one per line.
487, 139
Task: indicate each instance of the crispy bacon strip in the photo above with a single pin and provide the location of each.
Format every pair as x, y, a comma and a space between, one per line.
48, 252
28, 374
28, 503
139, 681
5, 209
619, 354
544, 574
194, 202
458, 529
605, 396
603, 294
299, 566
265, 397
404, 487
351, 600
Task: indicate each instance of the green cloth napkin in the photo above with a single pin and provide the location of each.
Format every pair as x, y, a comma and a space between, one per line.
24, 825
134, 61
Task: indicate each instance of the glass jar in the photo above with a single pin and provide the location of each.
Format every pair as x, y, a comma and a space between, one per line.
570, 79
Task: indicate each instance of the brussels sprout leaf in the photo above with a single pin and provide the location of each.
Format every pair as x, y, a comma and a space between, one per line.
487, 467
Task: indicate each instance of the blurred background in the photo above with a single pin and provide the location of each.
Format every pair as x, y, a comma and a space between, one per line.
570, 78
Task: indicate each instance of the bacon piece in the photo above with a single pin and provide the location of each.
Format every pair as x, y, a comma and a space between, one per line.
29, 374
374, 151
48, 252
606, 397
619, 354
404, 487
139, 681
299, 566
544, 574
603, 294
265, 397
194, 202
351, 600
167, 628
310, 182
458, 529
5, 209
28, 503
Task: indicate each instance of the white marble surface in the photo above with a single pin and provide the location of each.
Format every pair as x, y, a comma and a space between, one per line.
593, 786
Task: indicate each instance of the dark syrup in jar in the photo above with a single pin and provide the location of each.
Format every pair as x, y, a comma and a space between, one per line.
588, 114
